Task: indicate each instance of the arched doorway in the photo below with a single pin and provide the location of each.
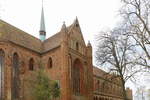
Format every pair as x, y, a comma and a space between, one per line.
2, 55
77, 76
15, 77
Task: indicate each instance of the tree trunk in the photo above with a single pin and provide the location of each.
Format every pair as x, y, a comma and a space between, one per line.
124, 90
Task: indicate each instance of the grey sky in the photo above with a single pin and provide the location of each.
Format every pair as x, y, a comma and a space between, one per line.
93, 15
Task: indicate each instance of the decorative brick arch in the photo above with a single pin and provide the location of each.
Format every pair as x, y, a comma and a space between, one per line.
2, 60
78, 77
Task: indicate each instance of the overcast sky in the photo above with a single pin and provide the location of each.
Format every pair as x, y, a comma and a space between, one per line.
93, 15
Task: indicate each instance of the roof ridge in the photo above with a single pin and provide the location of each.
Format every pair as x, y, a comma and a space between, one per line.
31, 42
99, 69
51, 37
19, 29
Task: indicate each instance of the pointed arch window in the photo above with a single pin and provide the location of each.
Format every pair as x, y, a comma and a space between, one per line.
77, 46
98, 85
31, 64
2, 54
77, 73
15, 77
76, 79
50, 63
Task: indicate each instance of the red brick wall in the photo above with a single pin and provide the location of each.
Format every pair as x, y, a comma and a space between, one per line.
61, 70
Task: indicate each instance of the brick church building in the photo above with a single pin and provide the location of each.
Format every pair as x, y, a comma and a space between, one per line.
65, 57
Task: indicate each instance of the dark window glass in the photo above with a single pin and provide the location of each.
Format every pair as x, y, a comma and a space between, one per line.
98, 85
15, 77
1, 74
31, 64
50, 63
77, 46
77, 77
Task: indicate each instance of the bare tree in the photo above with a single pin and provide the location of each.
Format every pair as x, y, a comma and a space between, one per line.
140, 93
136, 14
148, 94
116, 53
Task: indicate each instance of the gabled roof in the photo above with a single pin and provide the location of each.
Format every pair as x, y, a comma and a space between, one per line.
98, 72
107, 76
19, 37
52, 42
55, 40
101, 73
75, 28
10, 33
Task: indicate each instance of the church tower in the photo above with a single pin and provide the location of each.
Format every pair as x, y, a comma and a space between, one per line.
42, 31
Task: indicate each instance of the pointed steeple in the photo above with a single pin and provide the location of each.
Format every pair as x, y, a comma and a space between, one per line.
42, 25
76, 20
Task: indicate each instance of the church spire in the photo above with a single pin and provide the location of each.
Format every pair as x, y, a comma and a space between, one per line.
42, 25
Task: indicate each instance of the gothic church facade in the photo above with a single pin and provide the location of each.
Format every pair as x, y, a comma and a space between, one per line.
65, 56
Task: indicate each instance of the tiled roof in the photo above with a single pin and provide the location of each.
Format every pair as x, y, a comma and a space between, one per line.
55, 40
102, 74
19, 37
10, 33
52, 42
98, 72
